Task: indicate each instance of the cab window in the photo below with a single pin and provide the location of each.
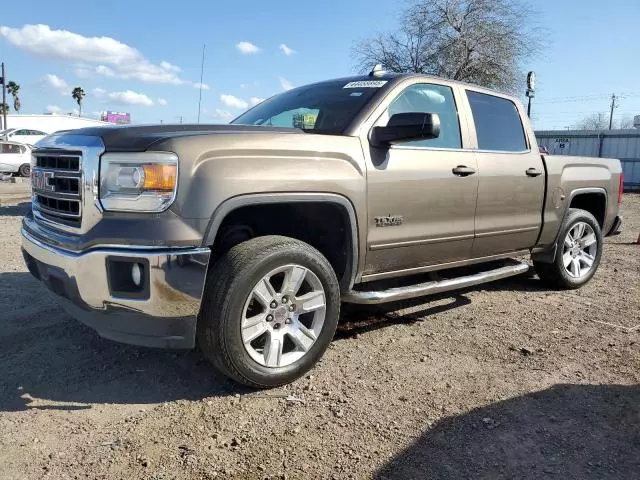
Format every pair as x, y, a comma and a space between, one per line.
430, 98
10, 148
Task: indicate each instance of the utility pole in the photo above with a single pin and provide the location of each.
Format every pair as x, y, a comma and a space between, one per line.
3, 82
613, 106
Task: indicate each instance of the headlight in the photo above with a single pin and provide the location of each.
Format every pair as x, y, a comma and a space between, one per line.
138, 182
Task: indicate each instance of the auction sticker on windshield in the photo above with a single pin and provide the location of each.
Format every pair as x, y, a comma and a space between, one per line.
366, 84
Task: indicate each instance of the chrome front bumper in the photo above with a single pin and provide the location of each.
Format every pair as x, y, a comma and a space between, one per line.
165, 316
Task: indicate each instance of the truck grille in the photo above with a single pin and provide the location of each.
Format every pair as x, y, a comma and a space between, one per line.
56, 181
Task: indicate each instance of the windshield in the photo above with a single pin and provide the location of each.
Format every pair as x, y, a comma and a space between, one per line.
326, 107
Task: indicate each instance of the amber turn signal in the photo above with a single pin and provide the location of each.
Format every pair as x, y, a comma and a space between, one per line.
160, 177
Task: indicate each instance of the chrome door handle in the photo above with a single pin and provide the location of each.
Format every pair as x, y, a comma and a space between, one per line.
463, 171
533, 172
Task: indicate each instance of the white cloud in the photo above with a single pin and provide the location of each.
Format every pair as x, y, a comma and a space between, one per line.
58, 83
286, 84
204, 86
101, 55
168, 66
286, 50
256, 100
247, 48
233, 102
99, 92
105, 71
222, 116
162, 102
130, 98
249, 85
52, 109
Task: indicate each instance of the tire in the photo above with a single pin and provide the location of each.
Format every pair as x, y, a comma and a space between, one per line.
25, 170
230, 298
578, 271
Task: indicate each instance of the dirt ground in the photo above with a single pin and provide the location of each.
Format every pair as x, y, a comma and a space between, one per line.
511, 380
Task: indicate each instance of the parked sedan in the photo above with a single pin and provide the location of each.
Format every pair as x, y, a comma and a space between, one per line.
15, 158
23, 135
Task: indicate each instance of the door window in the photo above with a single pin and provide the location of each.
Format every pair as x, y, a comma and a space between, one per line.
9, 148
498, 123
430, 98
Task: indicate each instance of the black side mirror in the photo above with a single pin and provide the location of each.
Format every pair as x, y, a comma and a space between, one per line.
405, 127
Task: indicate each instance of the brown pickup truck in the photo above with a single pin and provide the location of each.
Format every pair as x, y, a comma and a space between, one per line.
246, 238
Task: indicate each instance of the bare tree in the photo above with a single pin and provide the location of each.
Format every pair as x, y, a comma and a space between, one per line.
595, 121
625, 123
600, 121
478, 41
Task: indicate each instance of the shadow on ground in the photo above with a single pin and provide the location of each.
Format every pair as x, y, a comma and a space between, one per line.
357, 319
18, 210
565, 432
49, 360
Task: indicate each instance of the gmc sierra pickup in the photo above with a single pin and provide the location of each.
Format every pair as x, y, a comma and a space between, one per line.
245, 238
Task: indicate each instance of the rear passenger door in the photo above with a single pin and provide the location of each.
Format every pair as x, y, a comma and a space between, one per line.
511, 178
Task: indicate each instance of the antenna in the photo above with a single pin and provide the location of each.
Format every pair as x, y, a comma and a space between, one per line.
201, 75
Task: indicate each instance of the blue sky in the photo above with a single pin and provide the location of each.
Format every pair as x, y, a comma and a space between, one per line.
144, 56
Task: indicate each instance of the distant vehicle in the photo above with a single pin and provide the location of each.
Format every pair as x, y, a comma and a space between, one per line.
24, 135
15, 158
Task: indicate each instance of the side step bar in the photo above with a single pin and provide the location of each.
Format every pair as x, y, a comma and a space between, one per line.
432, 287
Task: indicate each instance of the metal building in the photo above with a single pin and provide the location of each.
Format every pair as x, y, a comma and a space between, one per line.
621, 144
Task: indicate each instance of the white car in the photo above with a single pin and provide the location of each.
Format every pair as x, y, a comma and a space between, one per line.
15, 158
23, 135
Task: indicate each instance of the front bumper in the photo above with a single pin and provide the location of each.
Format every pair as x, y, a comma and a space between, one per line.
165, 317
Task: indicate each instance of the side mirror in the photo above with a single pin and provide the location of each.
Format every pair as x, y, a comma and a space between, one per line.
406, 127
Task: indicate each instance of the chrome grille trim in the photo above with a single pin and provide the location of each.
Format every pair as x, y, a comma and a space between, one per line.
78, 186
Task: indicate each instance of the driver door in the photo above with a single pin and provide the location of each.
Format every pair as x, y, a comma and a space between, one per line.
420, 211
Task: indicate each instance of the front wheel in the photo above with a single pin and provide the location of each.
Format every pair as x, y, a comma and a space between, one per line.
578, 252
25, 170
270, 310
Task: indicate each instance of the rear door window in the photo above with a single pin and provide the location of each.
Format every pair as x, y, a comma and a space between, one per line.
498, 124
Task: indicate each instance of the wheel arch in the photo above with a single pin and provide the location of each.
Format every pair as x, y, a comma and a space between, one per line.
592, 198
235, 204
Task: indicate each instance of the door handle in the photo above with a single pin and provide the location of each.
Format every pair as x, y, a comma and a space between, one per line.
463, 171
533, 172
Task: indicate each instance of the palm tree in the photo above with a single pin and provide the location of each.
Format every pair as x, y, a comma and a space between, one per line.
78, 95
13, 88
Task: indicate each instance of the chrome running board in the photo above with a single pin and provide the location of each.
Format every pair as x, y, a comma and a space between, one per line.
435, 286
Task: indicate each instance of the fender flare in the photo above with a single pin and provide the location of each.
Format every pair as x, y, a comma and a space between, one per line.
549, 255
231, 204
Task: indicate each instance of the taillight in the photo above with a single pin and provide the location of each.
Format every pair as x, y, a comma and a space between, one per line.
621, 188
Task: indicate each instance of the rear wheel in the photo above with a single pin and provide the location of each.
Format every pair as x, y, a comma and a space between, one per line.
270, 311
578, 252
25, 170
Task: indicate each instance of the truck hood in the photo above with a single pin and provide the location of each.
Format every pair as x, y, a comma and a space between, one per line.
143, 137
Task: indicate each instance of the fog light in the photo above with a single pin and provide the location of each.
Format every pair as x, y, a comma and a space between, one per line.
136, 274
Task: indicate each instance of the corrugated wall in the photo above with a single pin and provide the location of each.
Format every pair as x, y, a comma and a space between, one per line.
621, 144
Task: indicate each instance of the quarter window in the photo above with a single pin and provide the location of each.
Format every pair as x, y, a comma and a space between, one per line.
498, 123
430, 98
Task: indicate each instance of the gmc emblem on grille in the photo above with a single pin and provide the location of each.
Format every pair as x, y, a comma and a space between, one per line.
40, 180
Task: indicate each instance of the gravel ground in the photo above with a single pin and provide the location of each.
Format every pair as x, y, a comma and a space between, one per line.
511, 380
